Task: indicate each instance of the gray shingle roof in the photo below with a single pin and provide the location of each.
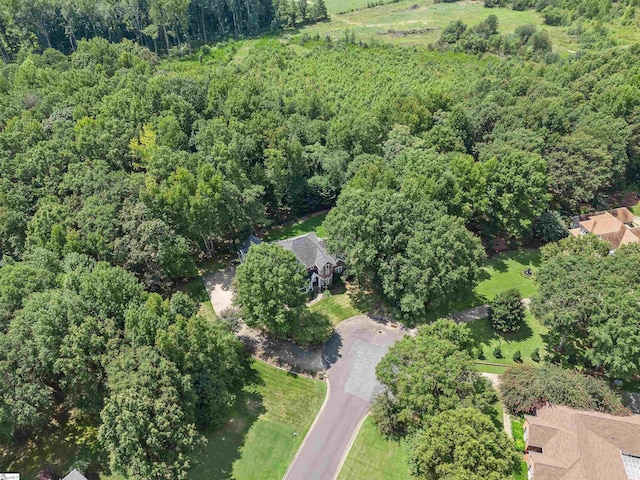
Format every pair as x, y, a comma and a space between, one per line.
252, 240
309, 250
75, 475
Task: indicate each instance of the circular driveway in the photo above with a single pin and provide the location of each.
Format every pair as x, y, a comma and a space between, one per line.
350, 357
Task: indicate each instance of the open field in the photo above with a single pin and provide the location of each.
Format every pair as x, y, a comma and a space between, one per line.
420, 22
271, 417
297, 227
372, 457
527, 339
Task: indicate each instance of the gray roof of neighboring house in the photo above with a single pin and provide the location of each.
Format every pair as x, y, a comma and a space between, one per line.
309, 250
252, 240
75, 475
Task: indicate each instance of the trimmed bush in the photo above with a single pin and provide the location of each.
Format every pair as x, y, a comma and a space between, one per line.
525, 388
517, 356
506, 312
535, 355
497, 352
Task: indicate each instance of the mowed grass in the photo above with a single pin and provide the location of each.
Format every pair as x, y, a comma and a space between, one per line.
499, 273
298, 227
420, 22
372, 457
259, 440
505, 271
336, 307
527, 339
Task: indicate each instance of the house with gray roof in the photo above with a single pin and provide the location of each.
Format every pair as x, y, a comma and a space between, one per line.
311, 252
75, 475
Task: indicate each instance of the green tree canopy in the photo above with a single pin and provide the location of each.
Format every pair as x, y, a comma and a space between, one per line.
462, 443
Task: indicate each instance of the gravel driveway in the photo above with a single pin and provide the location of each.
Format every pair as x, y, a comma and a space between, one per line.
218, 285
350, 357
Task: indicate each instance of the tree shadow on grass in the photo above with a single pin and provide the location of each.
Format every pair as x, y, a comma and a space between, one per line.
522, 334
225, 442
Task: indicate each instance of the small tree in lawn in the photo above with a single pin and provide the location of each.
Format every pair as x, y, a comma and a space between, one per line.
507, 311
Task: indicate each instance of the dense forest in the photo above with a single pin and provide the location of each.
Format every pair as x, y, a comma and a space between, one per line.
121, 169
170, 26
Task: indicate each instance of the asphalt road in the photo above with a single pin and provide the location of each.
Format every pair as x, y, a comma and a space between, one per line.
350, 357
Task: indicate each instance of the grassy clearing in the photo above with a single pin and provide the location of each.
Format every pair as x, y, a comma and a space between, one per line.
372, 457
420, 23
258, 441
505, 271
498, 274
527, 339
313, 223
341, 6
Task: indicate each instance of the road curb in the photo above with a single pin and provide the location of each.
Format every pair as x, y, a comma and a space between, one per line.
351, 442
313, 424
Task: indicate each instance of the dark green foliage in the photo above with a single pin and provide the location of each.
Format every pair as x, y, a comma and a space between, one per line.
588, 300
270, 291
462, 443
497, 352
524, 388
150, 389
404, 245
517, 356
506, 313
551, 227
426, 375
535, 355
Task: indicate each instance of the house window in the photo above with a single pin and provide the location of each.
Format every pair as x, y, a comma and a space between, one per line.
530, 472
338, 269
526, 435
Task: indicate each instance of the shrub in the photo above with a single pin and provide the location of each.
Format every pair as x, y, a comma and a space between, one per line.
506, 312
478, 353
535, 355
497, 352
517, 356
525, 388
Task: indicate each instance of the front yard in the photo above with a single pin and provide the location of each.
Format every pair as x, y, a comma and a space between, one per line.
265, 428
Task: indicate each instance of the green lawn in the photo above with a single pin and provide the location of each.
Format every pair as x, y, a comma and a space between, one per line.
372, 457
481, 367
527, 339
271, 417
339, 6
336, 307
505, 271
297, 227
421, 23
499, 273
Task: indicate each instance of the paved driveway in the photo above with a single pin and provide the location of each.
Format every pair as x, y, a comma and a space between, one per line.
350, 357
218, 285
